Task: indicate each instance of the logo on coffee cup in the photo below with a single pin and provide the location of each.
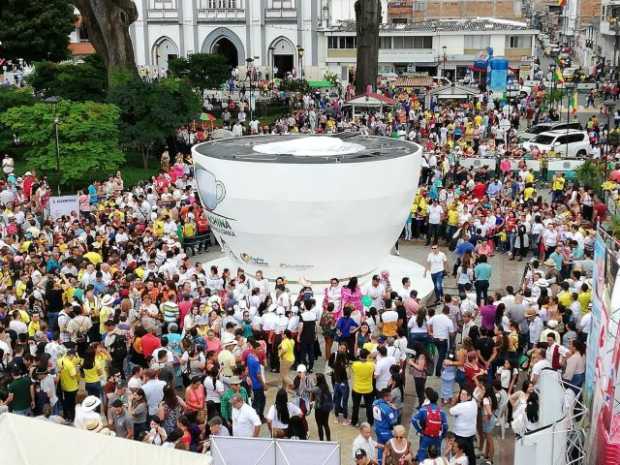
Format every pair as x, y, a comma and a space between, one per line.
212, 191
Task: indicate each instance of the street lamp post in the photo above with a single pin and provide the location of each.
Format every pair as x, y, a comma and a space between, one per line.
444, 48
53, 102
300, 56
249, 73
272, 64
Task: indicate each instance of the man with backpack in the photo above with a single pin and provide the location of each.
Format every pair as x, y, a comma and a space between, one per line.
431, 424
116, 343
385, 416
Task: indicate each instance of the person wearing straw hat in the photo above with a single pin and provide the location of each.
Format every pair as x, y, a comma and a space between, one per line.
235, 388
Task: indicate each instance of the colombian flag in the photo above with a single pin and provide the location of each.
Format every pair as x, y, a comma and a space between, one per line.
558, 75
561, 3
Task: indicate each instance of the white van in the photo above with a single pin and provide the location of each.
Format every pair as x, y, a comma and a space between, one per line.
566, 143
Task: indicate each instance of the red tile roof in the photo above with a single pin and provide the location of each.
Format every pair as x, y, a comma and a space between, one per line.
81, 48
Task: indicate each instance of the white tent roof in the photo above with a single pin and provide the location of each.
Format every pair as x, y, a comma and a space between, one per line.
29, 441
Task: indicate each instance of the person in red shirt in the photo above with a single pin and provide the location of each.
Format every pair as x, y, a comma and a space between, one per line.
150, 342
600, 210
479, 190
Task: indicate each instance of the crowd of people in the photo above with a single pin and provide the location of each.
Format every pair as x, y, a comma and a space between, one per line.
107, 324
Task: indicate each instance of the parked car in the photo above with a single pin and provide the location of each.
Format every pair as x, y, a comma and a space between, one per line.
533, 131
566, 143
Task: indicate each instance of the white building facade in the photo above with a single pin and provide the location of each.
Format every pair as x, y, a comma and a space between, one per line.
276, 34
316, 36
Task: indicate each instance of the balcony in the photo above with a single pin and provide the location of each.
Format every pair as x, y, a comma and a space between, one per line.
221, 11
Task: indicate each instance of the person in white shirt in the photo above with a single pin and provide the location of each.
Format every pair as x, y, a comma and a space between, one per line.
441, 327
465, 414
365, 441
245, 421
436, 265
153, 390
435, 213
376, 291
382, 368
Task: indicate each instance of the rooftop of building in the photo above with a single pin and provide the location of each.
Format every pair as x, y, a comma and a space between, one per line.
444, 24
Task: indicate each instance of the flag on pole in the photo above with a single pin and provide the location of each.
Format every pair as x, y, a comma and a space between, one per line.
574, 101
561, 3
558, 75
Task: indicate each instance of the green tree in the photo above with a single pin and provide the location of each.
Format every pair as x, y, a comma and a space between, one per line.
15, 97
12, 97
152, 111
71, 81
591, 174
201, 70
88, 134
35, 29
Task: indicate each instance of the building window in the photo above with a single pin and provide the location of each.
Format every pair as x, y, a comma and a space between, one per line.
424, 42
419, 5
343, 42
410, 42
163, 4
219, 4
520, 42
399, 20
472, 42
385, 42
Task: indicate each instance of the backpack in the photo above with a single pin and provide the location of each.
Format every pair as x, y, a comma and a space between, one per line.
432, 425
555, 359
118, 349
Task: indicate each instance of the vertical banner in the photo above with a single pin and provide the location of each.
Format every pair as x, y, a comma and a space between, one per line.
598, 289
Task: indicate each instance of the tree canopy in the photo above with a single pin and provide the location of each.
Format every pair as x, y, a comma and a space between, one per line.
88, 135
201, 70
152, 111
71, 81
35, 29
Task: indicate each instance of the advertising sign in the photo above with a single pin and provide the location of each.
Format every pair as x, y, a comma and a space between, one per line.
63, 206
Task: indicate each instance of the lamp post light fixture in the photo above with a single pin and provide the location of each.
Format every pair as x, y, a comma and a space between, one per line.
53, 103
300, 56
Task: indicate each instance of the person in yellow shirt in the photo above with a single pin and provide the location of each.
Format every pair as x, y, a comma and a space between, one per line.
34, 325
158, 228
362, 373
529, 177
584, 298
91, 373
453, 220
69, 373
564, 296
286, 353
529, 193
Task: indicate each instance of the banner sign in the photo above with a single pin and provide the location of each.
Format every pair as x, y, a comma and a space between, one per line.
63, 206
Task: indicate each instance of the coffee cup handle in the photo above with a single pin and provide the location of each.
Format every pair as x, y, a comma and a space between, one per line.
220, 191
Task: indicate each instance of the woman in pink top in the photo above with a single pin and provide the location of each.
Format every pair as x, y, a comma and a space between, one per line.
352, 295
212, 342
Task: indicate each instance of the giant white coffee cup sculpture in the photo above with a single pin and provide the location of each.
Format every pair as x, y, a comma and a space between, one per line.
315, 207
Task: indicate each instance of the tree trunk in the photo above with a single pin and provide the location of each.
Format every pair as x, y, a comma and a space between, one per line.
145, 157
107, 23
367, 21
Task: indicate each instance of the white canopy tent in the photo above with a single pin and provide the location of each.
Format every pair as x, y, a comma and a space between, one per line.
30, 441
